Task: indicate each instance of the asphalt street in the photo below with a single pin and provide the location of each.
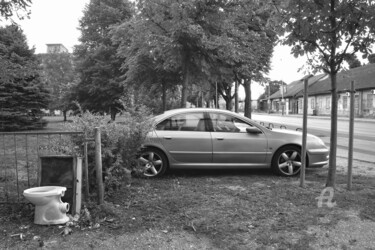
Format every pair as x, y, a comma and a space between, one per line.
364, 132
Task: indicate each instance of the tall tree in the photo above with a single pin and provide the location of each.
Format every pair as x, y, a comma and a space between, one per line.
143, 65
199, 41
253, 41
100, 88
271, 88
22, 95
327, 31
185, 36
58, 73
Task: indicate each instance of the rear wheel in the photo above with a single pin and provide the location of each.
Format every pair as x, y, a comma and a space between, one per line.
153, 162
287, 161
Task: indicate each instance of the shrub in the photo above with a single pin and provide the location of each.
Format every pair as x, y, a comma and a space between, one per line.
120, 143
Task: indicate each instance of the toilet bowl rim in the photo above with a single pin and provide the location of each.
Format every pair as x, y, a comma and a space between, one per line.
44, 191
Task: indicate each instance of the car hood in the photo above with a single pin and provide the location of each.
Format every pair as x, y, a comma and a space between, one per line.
291, 132
286, 131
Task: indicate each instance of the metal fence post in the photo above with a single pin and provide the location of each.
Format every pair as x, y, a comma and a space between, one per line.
351, 136
304, 131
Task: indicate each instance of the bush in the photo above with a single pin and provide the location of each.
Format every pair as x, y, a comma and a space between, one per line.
120, 143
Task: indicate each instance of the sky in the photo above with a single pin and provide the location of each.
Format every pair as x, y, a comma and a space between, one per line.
57, 21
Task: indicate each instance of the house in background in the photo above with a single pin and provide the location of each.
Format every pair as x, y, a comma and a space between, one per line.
53, 48
289, 95
319, 94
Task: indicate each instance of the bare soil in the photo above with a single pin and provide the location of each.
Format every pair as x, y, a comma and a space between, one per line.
251, 209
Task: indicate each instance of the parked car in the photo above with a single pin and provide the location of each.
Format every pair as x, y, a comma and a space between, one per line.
212, 138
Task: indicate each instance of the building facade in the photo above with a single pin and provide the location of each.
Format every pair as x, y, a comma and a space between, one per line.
53, 48
319, 95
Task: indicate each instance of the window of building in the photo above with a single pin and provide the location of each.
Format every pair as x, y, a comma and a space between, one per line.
328, 102
319, 103
312, 104
345, 102
369, 100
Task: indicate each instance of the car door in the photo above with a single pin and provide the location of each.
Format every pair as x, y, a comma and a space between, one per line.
232, 144
186, 137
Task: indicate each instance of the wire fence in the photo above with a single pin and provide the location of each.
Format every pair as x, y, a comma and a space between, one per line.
19, 159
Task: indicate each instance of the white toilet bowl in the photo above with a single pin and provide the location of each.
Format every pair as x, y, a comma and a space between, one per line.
49, 209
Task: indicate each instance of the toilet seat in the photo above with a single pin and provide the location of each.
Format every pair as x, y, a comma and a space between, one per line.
44, 191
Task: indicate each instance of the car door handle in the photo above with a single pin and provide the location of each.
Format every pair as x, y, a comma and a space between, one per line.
167, 137
219, 138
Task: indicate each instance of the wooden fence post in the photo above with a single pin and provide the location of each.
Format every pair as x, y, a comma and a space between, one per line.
86, 171
98, 166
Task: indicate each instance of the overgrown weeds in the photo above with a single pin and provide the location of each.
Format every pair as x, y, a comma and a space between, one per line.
120, 143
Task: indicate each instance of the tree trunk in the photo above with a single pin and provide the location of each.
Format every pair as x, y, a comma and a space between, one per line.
331, 178
113, 113
184, 91
247, 98
236, 96
228, 98
64, 114
228, 104
164, 97
186, 78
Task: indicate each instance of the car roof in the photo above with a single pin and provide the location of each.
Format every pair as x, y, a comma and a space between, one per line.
190, 110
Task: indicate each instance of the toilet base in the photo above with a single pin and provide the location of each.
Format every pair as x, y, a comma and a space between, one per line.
49, 215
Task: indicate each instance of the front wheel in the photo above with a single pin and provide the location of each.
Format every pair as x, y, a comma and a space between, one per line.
153, 162
287, 161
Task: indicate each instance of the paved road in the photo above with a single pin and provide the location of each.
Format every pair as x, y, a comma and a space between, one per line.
364, 132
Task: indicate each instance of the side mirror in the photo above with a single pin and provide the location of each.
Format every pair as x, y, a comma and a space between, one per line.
253, 130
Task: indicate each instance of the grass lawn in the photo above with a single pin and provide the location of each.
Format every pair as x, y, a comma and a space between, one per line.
251, 209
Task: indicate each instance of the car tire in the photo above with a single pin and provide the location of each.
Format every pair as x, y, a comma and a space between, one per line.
153, 162
287, 161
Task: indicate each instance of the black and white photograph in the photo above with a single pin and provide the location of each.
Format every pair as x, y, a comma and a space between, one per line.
187, 124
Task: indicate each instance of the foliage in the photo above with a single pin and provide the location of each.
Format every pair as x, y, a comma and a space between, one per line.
327, 32
58, 73
142, 64
11, 7
271, 88
353, 61
194, 44
22, 95
371, 58
253, 37
100, 88
120, 142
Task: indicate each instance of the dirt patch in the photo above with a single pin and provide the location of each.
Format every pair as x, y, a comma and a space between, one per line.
216, 210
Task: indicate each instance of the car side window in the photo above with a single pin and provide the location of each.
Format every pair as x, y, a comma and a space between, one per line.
183, 122
228, 123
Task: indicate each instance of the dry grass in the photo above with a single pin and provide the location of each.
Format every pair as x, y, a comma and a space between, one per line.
211, 210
